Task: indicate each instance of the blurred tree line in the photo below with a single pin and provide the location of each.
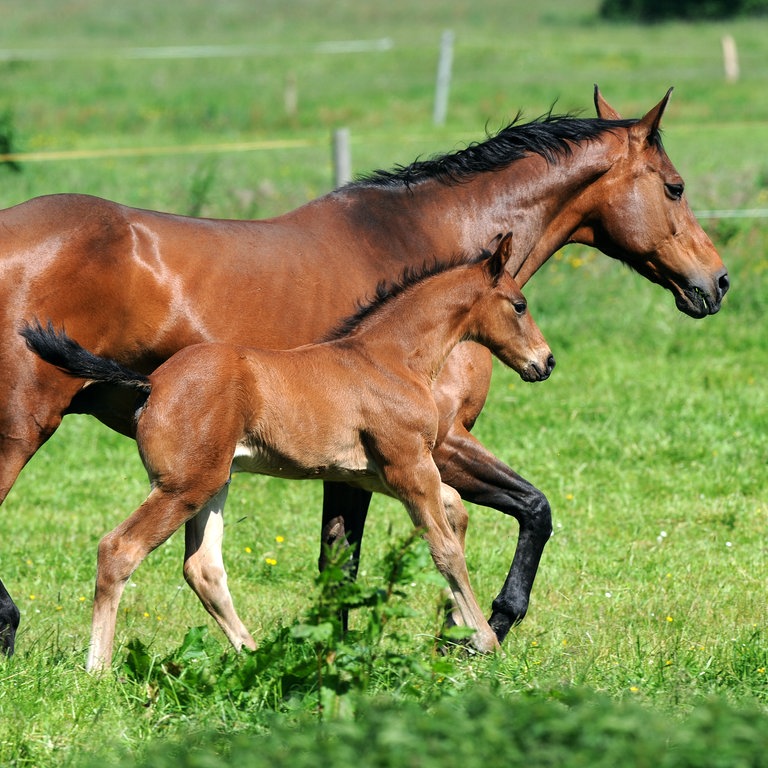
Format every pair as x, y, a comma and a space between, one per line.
691, 10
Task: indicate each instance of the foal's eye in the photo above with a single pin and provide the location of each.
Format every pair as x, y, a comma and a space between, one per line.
674, 191
520, 307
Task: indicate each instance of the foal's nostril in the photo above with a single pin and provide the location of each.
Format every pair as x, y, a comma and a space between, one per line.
550, 363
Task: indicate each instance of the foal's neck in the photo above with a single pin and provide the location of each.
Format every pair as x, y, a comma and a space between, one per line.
421, 326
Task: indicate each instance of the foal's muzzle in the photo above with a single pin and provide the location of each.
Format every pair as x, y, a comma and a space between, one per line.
539, 370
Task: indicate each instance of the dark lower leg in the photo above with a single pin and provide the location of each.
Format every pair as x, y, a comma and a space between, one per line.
344, 513
9, 621
466, 465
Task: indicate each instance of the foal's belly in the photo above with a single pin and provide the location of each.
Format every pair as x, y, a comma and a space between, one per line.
350, 465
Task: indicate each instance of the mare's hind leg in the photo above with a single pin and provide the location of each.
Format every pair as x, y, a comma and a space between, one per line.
9, 621
205, 573
470, 468
29, 417
345, 509
122, 550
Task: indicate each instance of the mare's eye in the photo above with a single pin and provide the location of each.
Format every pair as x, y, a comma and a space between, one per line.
674, 191
520, 307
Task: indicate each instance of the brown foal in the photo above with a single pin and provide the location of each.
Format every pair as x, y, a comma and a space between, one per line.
358, 409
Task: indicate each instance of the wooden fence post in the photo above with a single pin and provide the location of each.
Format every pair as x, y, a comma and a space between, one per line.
730, 59
342, 157
443, 78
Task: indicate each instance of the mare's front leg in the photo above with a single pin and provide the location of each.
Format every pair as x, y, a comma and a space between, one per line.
483, 479
205, 573
466, 465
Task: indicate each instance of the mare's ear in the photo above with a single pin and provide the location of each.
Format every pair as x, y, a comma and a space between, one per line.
604, 110
649, 124
500, 257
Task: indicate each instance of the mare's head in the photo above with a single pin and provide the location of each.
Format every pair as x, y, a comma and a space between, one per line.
500, 320
638, 213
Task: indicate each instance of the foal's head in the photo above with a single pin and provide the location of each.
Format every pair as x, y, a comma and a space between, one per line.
501, 321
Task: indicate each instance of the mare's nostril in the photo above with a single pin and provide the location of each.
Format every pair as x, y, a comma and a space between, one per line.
550, 363
723, 284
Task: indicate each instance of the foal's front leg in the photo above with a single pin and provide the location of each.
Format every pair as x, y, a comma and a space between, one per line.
205, 573
418, 486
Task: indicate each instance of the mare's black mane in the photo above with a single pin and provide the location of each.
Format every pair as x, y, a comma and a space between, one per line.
387, 291
551, 136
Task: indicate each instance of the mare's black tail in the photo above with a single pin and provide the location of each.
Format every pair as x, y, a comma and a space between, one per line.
57, 348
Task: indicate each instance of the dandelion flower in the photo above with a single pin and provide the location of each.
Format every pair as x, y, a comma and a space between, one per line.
248, 550
270, 561
279, 539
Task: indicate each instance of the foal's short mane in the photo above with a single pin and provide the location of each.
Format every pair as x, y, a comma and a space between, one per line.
387, 291
551, 136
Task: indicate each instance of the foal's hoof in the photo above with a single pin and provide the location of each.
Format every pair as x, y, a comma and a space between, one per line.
467, 640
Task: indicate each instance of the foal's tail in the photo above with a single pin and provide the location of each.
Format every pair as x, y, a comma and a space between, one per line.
56, 348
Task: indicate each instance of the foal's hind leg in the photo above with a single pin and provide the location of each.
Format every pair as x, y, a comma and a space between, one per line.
204, 569
121, 552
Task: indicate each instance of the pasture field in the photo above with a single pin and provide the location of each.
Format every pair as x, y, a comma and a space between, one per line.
650, 439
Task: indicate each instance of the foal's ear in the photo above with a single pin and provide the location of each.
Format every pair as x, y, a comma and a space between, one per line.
498, 261
604, 110
649, 124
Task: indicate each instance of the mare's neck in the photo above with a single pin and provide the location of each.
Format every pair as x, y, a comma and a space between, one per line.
543, 205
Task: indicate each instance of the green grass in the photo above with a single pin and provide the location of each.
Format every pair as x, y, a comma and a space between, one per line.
650, 440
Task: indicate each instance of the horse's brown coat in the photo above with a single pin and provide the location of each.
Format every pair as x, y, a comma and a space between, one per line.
139, 285
359, 409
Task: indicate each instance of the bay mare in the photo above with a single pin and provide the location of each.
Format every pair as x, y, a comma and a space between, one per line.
139, 285
357, 409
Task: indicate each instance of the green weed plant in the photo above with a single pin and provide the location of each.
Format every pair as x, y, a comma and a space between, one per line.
314, 663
